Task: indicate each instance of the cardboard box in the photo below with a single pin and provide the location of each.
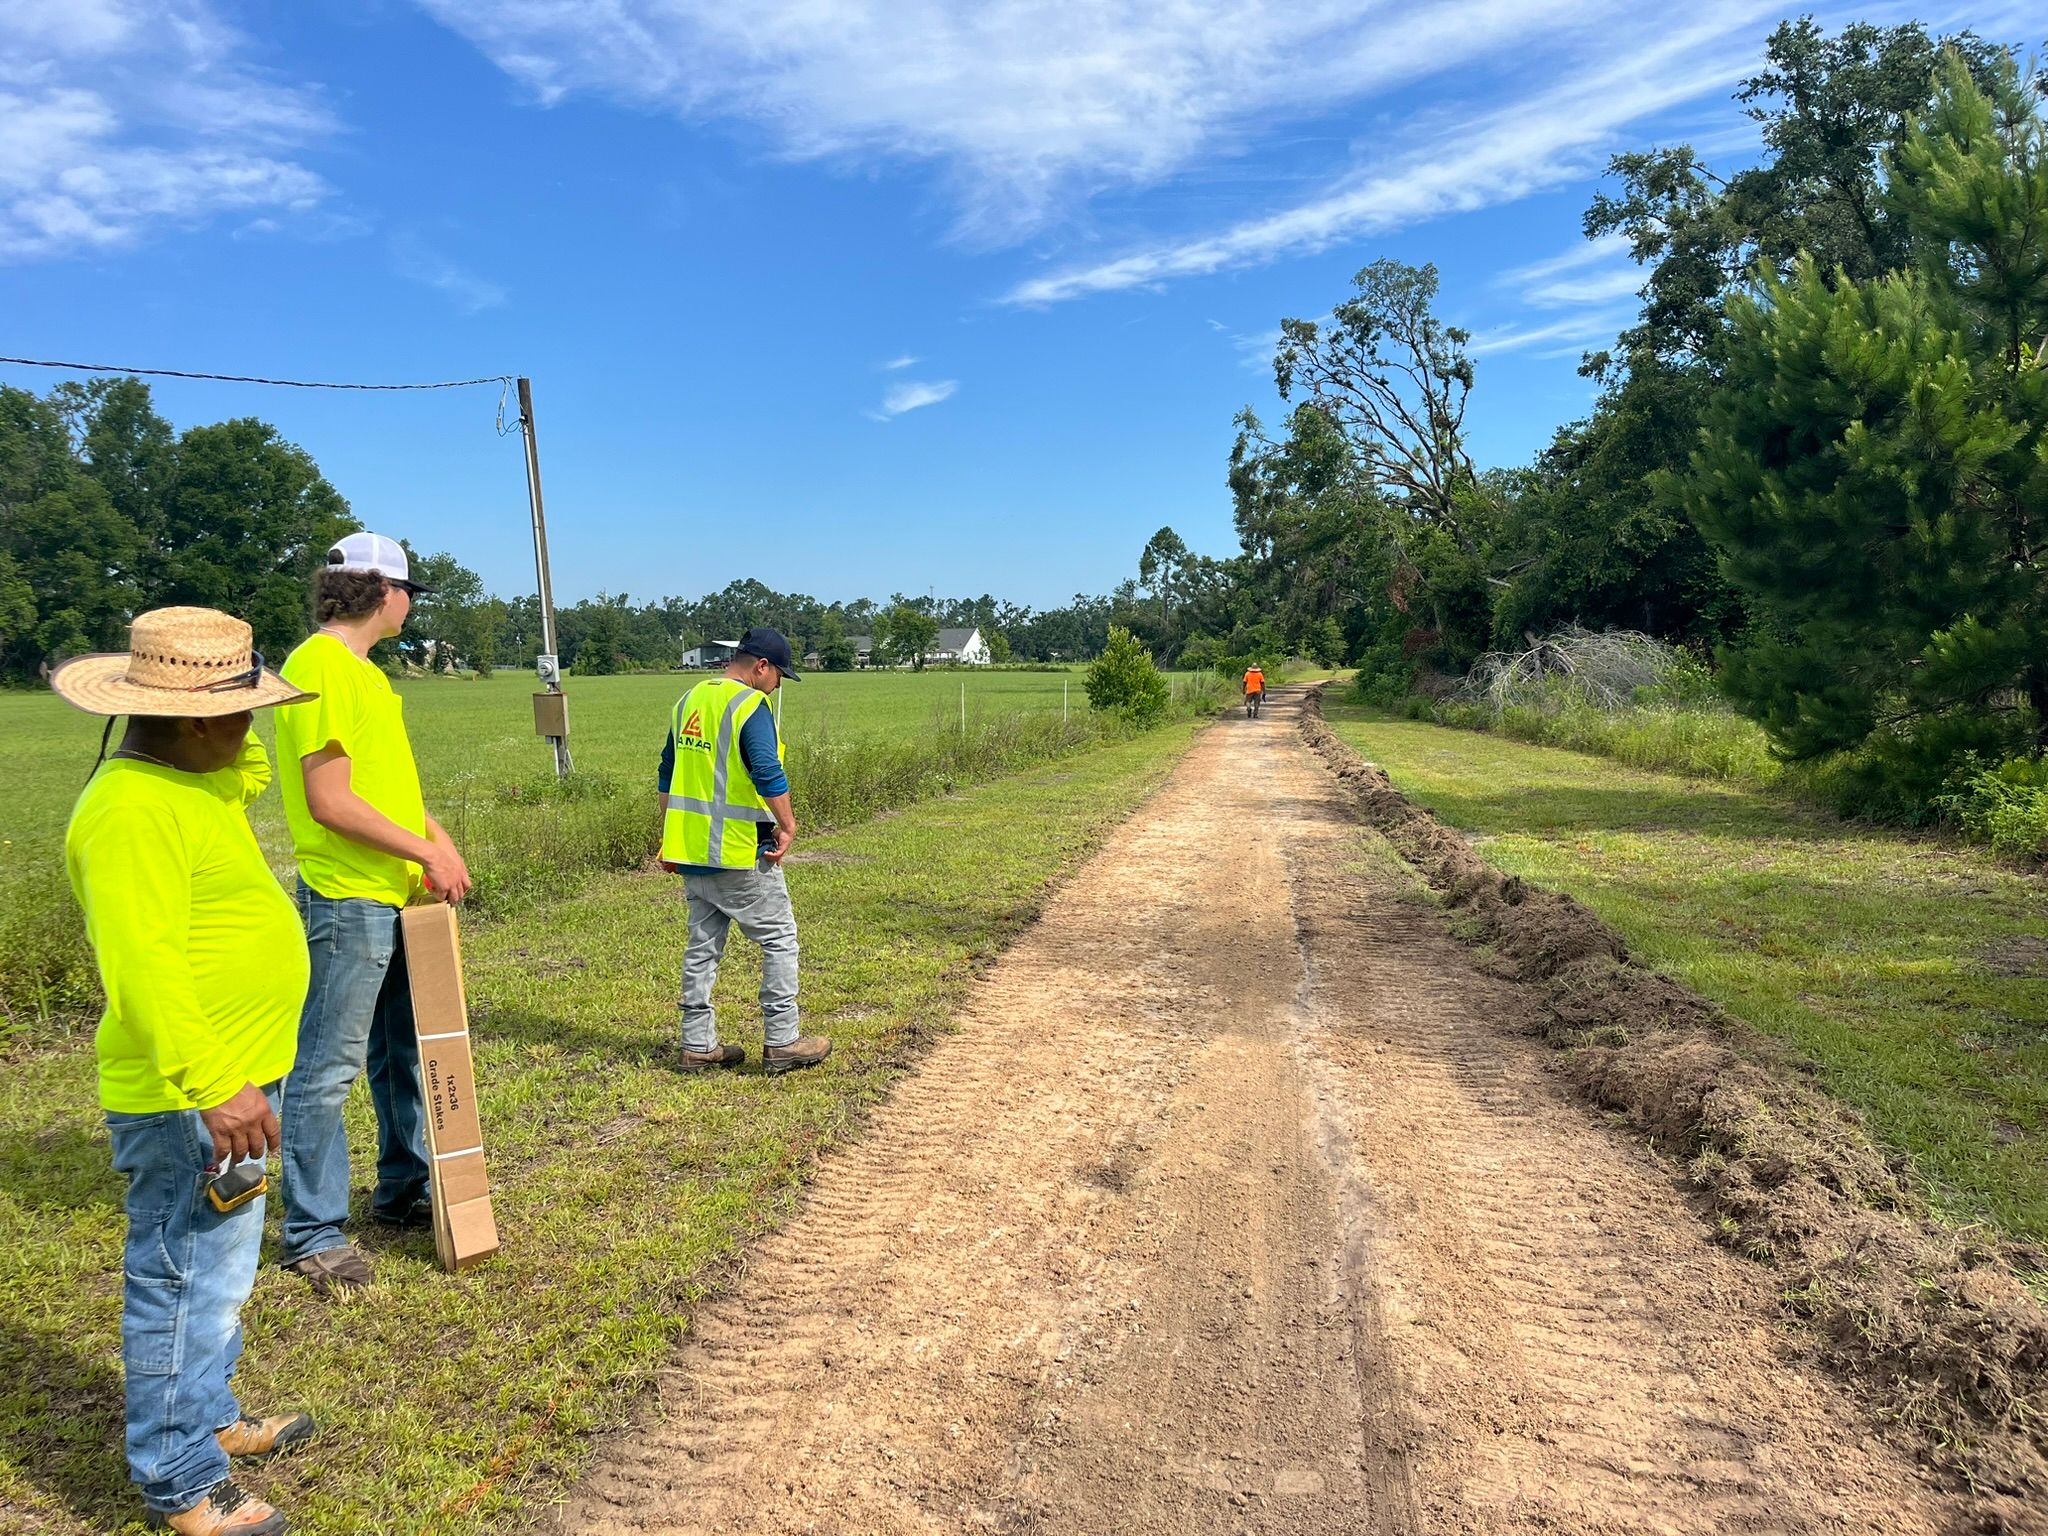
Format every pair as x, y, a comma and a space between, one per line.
464, 1229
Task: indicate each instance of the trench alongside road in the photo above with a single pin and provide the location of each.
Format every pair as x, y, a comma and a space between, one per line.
1236, 1203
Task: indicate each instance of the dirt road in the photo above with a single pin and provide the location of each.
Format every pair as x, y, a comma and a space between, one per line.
1237, 1204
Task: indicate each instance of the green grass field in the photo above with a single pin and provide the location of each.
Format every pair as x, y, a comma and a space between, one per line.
858, 744
622, 1187
466, 728
1911, 971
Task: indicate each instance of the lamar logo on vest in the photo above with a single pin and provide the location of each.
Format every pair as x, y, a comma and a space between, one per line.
692, 732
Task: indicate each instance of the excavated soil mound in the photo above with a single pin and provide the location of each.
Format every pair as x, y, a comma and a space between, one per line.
1931, 1322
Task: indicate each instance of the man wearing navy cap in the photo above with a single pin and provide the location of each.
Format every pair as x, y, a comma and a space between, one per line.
726, 826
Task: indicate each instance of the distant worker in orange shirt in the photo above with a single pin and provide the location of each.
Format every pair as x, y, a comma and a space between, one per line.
1254, 689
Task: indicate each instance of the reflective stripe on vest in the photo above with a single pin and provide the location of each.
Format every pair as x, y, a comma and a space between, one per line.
713, 807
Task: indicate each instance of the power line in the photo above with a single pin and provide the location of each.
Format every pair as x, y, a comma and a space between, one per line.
237, 378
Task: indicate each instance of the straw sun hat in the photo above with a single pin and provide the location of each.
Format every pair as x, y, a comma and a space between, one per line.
192, 663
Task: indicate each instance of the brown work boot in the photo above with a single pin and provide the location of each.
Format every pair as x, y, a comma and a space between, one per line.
225, 1511
334, 1273
265, 1437
717, 1056
804, 1051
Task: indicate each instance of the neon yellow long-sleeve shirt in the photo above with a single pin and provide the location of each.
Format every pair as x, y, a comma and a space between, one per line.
200, 950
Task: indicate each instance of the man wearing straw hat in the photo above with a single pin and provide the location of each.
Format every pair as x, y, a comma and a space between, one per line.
204, 965
365, 846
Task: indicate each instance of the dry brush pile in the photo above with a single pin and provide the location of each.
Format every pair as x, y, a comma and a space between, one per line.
1933, 1322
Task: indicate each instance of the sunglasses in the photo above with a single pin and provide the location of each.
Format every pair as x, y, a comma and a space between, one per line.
249, 679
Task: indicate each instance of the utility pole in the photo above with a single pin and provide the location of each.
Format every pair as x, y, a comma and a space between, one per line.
551, 706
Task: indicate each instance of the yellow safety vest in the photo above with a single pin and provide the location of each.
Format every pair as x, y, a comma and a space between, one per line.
714, 812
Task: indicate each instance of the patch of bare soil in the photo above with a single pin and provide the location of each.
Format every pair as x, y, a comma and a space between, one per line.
1931, 1323
1236, 1202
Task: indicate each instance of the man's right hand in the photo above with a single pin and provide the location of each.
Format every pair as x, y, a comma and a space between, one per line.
245, 1126
784, 836
446, 875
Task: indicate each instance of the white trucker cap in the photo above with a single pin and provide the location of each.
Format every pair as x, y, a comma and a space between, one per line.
373, 552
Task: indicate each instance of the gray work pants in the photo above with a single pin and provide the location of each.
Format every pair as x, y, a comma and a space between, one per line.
758, 901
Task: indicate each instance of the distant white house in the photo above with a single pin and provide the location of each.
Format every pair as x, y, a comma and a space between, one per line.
712, 653
963, 646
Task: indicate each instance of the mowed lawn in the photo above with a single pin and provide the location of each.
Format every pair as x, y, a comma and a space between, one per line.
464, 729
453, 1404
1914, 973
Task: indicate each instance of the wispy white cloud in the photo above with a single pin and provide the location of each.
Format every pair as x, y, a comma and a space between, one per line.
1602, 287
118, 117
913, 395
897, 363
1573, 258
1026, 105
1501, 156
1590, 278
418, 262
1565, 336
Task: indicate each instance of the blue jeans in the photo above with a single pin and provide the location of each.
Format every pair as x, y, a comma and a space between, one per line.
187, 1271
358, 1017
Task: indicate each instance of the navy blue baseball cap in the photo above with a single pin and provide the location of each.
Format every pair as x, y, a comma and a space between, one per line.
769, 645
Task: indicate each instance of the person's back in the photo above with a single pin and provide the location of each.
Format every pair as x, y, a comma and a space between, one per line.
1254, 680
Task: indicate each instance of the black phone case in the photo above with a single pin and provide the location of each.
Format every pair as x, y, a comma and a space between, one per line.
236, 1185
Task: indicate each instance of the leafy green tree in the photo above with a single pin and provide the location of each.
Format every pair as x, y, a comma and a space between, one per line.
600, 649
1125, 681
247, 519
476, 634
1374, 475
1590, 536
835, 651
1872, 471
442, 629
1393, 380
1159, 568
998, 645
17, 603
905, 632
69, 549
130, 450
1828, 108
1594, 535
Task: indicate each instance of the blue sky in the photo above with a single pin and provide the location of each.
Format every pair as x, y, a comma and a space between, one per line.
852, 296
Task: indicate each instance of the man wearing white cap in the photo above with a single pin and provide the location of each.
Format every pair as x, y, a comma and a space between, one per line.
365, 845
204, 966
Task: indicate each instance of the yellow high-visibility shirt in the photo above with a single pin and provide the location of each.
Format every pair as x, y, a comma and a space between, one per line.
361, 713
199, 948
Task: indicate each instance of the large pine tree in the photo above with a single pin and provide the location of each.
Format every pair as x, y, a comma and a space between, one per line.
1874, 469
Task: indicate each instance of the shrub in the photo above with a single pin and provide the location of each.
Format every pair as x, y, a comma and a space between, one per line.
1124, 680
2006, 806
1202, 693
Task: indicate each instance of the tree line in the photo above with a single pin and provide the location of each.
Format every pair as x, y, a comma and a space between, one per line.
106, 510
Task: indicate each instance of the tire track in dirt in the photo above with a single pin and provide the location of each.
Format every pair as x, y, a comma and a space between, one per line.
1232, 1205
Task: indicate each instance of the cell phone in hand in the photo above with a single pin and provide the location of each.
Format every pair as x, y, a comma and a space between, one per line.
237, 1184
